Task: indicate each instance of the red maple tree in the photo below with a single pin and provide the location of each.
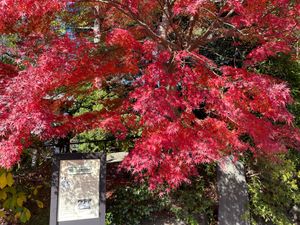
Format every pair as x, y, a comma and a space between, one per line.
192, 105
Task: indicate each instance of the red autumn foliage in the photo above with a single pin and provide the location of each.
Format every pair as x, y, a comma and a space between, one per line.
190, 109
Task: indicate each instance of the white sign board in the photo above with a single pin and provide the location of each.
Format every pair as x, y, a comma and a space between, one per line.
78, 194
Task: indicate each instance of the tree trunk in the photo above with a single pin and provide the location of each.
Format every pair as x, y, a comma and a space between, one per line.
97, 25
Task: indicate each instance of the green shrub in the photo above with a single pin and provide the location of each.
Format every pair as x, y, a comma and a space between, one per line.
274, 189
15, 199
129, 205
197, 199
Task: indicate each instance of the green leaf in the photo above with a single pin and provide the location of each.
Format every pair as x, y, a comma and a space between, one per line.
3, 180
3, 195
25, 215
18, 215
10, 203
40, 204
21, 199
10, 179
2, 214
35, 191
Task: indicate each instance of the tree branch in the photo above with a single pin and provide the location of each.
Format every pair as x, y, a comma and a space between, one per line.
128, 12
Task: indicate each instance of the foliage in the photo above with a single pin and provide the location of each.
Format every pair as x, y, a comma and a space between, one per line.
191, 107
274, 189
285, 68
196, 201
15, 200
131, 204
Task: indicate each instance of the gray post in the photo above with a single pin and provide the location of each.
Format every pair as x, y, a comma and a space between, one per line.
233, 194
34, 157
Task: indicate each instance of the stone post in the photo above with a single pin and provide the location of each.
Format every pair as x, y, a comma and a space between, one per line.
233, 194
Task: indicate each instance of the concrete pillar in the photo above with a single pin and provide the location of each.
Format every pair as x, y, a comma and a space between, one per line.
233, 194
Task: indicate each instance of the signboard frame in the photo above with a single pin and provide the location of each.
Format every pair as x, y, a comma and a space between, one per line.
55, 188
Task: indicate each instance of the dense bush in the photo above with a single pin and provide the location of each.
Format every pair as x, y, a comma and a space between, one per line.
190, 203
195, 202
274, 189
274, 186
16, 199
129, 205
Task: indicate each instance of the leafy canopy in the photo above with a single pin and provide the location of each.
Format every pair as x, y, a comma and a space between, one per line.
162, 61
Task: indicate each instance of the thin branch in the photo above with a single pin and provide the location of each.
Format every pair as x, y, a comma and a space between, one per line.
193, 22
166, 9
203, 39
128, 12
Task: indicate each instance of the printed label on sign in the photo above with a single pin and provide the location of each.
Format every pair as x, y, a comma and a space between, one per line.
78, 196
